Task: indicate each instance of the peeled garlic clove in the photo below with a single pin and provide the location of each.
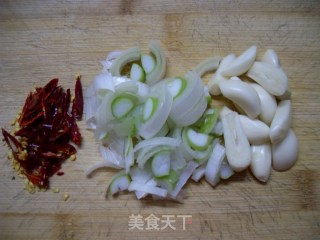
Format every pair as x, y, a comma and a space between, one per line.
268, 104
256, 131
285, 153
238, 150
242, 63
271, 57
281, 122
217, 77
261, 161
243, 95
271, 78
285, 96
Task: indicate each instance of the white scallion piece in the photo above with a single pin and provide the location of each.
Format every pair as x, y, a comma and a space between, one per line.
159, 70
207, 65
199, 173
198, 141
129, 154
157, 141
156, 112
125, 57
176, 86
137, 73
143, 187
161, 164
225, 170
148, 63
119, 182
139, 194
184, 178
214, 163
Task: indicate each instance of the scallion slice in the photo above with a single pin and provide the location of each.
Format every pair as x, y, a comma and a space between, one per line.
122, 105
208, 121
161, 164
150, 107
177, 86
198, 141
169, 181
127, 56
159, 70
148, 63
137, 73
207, 65
119, 182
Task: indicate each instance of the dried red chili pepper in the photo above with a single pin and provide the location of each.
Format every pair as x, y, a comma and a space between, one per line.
46, 128
77, 105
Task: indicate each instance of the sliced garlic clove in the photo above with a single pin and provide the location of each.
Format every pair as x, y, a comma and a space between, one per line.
238, 150
243, 95
256, 131
261, 161
271, 78
271, 57
242, 63
281, 122
285, 153
217, 77
268, 104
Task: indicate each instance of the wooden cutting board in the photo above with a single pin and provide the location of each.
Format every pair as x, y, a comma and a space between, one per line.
40, 40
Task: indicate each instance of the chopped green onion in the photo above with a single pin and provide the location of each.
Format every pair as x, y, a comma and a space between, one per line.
209, 120
163, 131
127, 56
150, 107
169, 182
121, 105
189, 153
137, 73
159, 70
177, 86
161, 164
148, 63
119, 182
149, 189
212, 172
197, 141
128, 154
144, 155
156, 117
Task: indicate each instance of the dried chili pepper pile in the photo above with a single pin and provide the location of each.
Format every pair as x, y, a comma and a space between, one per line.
46, 125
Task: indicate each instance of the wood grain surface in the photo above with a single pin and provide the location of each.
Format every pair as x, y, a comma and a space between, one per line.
40, 40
